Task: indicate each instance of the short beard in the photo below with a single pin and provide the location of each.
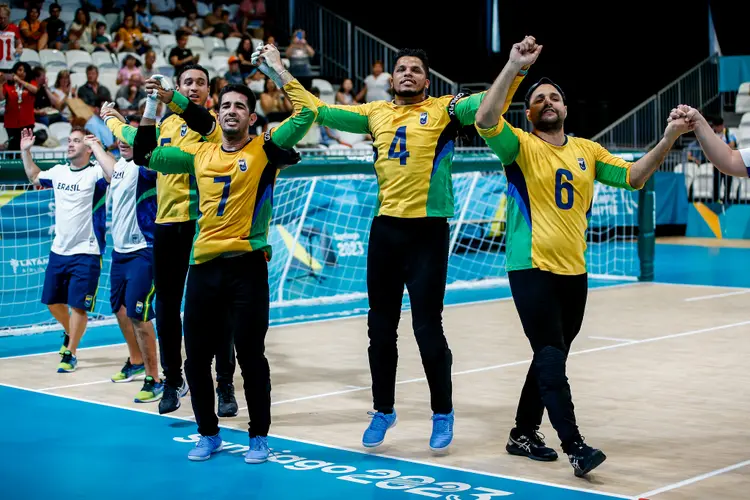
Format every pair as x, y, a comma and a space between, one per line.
410, 93
547, 126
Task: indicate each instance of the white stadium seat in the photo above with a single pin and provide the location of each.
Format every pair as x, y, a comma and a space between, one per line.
153, 41
61, 130
103, 60
323, 85
53, 59
67, 15
78, 60
203, 9
31, 56
215, 45
78, 79
232, 43
167, 42
195, 43
163, 24
17, 15
109, 80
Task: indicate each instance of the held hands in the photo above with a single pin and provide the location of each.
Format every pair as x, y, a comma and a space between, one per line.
27, 139
91, 141
683, 119
159, 87
108, 109
268, 61
525, 52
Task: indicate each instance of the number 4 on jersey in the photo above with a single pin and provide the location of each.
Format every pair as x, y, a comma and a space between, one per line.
399, 142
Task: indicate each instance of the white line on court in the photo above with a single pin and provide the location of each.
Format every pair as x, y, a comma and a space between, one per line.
323, 445
694, 479
611, 339
75, 385
717, 296
527, 361
338, 318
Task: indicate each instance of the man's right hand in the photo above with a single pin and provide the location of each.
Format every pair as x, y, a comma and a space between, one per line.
27, 139
267, 56
109, 110
525, 52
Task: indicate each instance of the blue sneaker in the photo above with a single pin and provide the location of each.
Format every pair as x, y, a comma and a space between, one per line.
380, 423
205, 446
442, 431
68, 363
258, 452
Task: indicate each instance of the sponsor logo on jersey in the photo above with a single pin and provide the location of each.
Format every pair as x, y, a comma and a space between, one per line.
183, 130
423, 119
243, 165
582, 163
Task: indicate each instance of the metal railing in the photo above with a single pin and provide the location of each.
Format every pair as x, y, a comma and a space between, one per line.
642, 127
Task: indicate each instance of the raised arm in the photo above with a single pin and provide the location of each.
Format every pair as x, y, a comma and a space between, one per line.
294, 128
105, 160
196, 117
466, 109
494, 104
641, 170
730, 161
116, 124
347, 118
29, 166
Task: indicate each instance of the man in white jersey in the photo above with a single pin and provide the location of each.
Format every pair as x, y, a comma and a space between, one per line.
11, 45
734, 162
72, 275
133, 198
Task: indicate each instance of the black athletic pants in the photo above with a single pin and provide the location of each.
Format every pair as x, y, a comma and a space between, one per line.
551, 308
172, 246
411, 252
228, 295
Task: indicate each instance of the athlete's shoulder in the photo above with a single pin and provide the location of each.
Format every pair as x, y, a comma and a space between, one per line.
585, 144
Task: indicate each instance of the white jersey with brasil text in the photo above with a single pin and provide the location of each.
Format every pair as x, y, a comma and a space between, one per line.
133, 198
80, 211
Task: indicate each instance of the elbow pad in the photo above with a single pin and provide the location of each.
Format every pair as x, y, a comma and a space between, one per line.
277, 156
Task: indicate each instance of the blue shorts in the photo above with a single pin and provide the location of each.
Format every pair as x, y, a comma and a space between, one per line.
132, 281
72, 280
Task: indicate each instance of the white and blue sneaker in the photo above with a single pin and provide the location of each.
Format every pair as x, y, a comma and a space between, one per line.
380, 423
205, 446
442, 431
258, 452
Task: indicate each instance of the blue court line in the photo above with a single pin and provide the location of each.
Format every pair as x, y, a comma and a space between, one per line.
50, 341
148, 452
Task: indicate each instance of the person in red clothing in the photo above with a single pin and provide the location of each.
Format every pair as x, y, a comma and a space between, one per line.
19, 91
10, 40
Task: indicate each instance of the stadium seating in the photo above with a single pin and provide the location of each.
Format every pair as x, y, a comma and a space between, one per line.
53, 59
743, 135
103, 60
742, 103
78, 60
77, 79
163, 24
61, 130
31, 56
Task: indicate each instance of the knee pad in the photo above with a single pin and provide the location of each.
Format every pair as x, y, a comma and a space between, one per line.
550, 368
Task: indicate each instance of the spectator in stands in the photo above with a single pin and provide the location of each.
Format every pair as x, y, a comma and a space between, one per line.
19, 92
271, 40
274, 103
224, 28
192, 24
214, 88
62, 91
142, 16
92, 92
213, 19
46, 103
129, 96
101, 42
182, 56
10, 32
245, 53
377, 85
129, 37
79, 35
344, 95
53, 36
256, 82
31, 29
166, 8
251, 11
148, 69
185, 7
130, 72
234, 75
299, 53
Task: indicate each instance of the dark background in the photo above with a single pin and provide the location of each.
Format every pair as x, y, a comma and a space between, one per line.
607, 62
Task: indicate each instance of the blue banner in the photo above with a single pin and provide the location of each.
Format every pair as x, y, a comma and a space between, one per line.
733, 71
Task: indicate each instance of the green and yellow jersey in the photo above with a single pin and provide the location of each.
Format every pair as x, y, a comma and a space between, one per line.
413, 149
176, 195
550, 195
236, 187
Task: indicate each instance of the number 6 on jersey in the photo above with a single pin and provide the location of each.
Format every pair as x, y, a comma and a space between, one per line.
399, 141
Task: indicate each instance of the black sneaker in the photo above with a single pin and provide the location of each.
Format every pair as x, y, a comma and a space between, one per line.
227, 402
584, 458
170, 400
531, 445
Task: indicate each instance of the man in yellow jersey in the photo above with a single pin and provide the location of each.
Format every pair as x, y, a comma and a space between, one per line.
550, 193
414, 139
228, 279
177, 202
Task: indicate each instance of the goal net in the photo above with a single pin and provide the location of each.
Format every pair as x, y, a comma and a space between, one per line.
319, 232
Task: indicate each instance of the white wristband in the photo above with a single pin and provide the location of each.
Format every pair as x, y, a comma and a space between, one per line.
150, 110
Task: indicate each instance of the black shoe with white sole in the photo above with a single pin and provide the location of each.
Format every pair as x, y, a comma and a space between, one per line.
531, 445
584, 458
227, 401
